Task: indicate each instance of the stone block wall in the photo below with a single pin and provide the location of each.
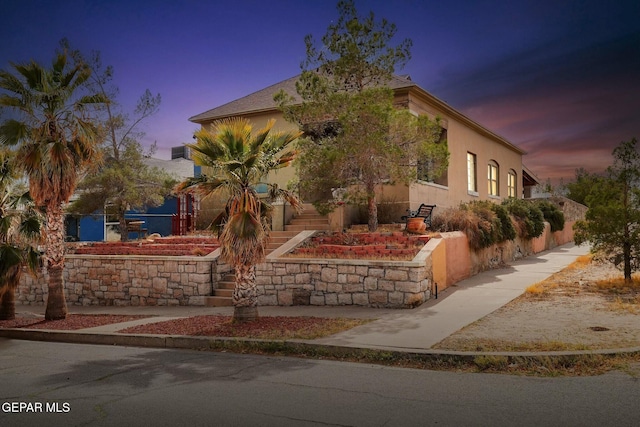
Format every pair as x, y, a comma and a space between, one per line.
127, 280
343, 282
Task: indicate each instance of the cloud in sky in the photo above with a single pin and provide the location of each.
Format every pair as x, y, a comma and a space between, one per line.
559, 79
567, 101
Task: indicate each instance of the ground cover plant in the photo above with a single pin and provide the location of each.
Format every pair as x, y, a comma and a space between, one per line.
167, 246
392, 245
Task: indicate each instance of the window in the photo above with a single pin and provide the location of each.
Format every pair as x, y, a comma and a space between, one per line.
472, 183
512, 188
492, 175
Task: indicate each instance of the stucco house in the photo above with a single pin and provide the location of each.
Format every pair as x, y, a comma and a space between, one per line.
482, 166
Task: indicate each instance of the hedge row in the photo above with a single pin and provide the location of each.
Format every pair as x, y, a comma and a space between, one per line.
486, 223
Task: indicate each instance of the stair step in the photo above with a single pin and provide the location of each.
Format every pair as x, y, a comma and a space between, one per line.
296, 221
303, 227
225, 284
215, 301
227, 293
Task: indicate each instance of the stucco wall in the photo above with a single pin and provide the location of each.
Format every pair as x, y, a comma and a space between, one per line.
460, 262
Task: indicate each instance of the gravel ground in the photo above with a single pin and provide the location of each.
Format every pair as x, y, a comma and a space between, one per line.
571, 314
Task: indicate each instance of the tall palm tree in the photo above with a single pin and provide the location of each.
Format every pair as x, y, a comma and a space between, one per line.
19, 235
237, 159
56, 140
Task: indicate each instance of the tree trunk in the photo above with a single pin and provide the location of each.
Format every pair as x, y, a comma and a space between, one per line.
245, 294
372, 210
54, 263
8, 294
626, 254
8, 303
124, 234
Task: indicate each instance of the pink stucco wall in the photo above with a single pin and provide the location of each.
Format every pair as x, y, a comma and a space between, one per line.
453, 261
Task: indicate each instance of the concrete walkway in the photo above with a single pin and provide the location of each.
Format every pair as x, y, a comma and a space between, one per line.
458, 306
400, 330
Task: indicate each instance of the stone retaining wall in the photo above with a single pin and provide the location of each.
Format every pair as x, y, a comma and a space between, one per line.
148, 280
343, 282
127, 280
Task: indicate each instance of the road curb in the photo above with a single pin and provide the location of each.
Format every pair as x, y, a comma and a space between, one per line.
294, 347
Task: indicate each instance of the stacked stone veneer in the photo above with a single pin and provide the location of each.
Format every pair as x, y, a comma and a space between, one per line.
128, 280
148, 280
343, 282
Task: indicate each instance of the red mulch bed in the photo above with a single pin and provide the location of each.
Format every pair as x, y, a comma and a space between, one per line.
222, 326
396, 245
73, 322
165, 246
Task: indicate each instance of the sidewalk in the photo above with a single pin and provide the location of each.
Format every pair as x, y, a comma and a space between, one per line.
458, 306
400, 330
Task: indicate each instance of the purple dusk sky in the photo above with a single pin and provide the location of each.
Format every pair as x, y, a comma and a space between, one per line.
560, 79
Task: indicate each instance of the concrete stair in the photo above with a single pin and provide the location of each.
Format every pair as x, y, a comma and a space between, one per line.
222, 295
279, 238
309, 219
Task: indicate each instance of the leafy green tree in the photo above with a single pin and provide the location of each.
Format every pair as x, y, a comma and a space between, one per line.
57, 139
124, 181
612, 223
235, 159
355, 137
579, 189
20, 225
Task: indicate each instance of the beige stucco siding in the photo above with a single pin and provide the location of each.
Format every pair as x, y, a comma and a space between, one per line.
463, 136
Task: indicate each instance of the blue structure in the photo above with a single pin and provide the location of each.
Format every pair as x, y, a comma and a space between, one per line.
92, 228
174, 216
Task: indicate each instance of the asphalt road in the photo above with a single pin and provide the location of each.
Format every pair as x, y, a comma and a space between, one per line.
86, 385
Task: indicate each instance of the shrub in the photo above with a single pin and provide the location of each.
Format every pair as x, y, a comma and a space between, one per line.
484, 223
528, 218
552, 214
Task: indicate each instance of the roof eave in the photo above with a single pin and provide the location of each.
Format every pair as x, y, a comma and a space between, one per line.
440, 104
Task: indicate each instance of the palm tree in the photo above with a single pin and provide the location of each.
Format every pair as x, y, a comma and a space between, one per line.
56, 141
19, 234
237, 160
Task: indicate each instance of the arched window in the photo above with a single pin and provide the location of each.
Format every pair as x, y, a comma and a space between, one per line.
492, 175
512, 184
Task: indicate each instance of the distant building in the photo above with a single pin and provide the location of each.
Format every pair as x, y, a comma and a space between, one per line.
175, 216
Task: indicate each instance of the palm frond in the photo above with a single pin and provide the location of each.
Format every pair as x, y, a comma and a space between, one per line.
13, 132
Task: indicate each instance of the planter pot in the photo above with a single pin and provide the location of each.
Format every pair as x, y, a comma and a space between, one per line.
416, 225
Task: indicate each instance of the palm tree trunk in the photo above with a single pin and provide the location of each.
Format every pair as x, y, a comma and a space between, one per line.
8, 303
54, 263
245, 294
8, 293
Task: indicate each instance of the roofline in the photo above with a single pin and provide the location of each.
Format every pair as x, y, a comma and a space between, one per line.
438, 103
224, 116
405, 89
529, 172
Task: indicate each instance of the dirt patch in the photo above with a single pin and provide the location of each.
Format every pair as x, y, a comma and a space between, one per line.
572, 310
